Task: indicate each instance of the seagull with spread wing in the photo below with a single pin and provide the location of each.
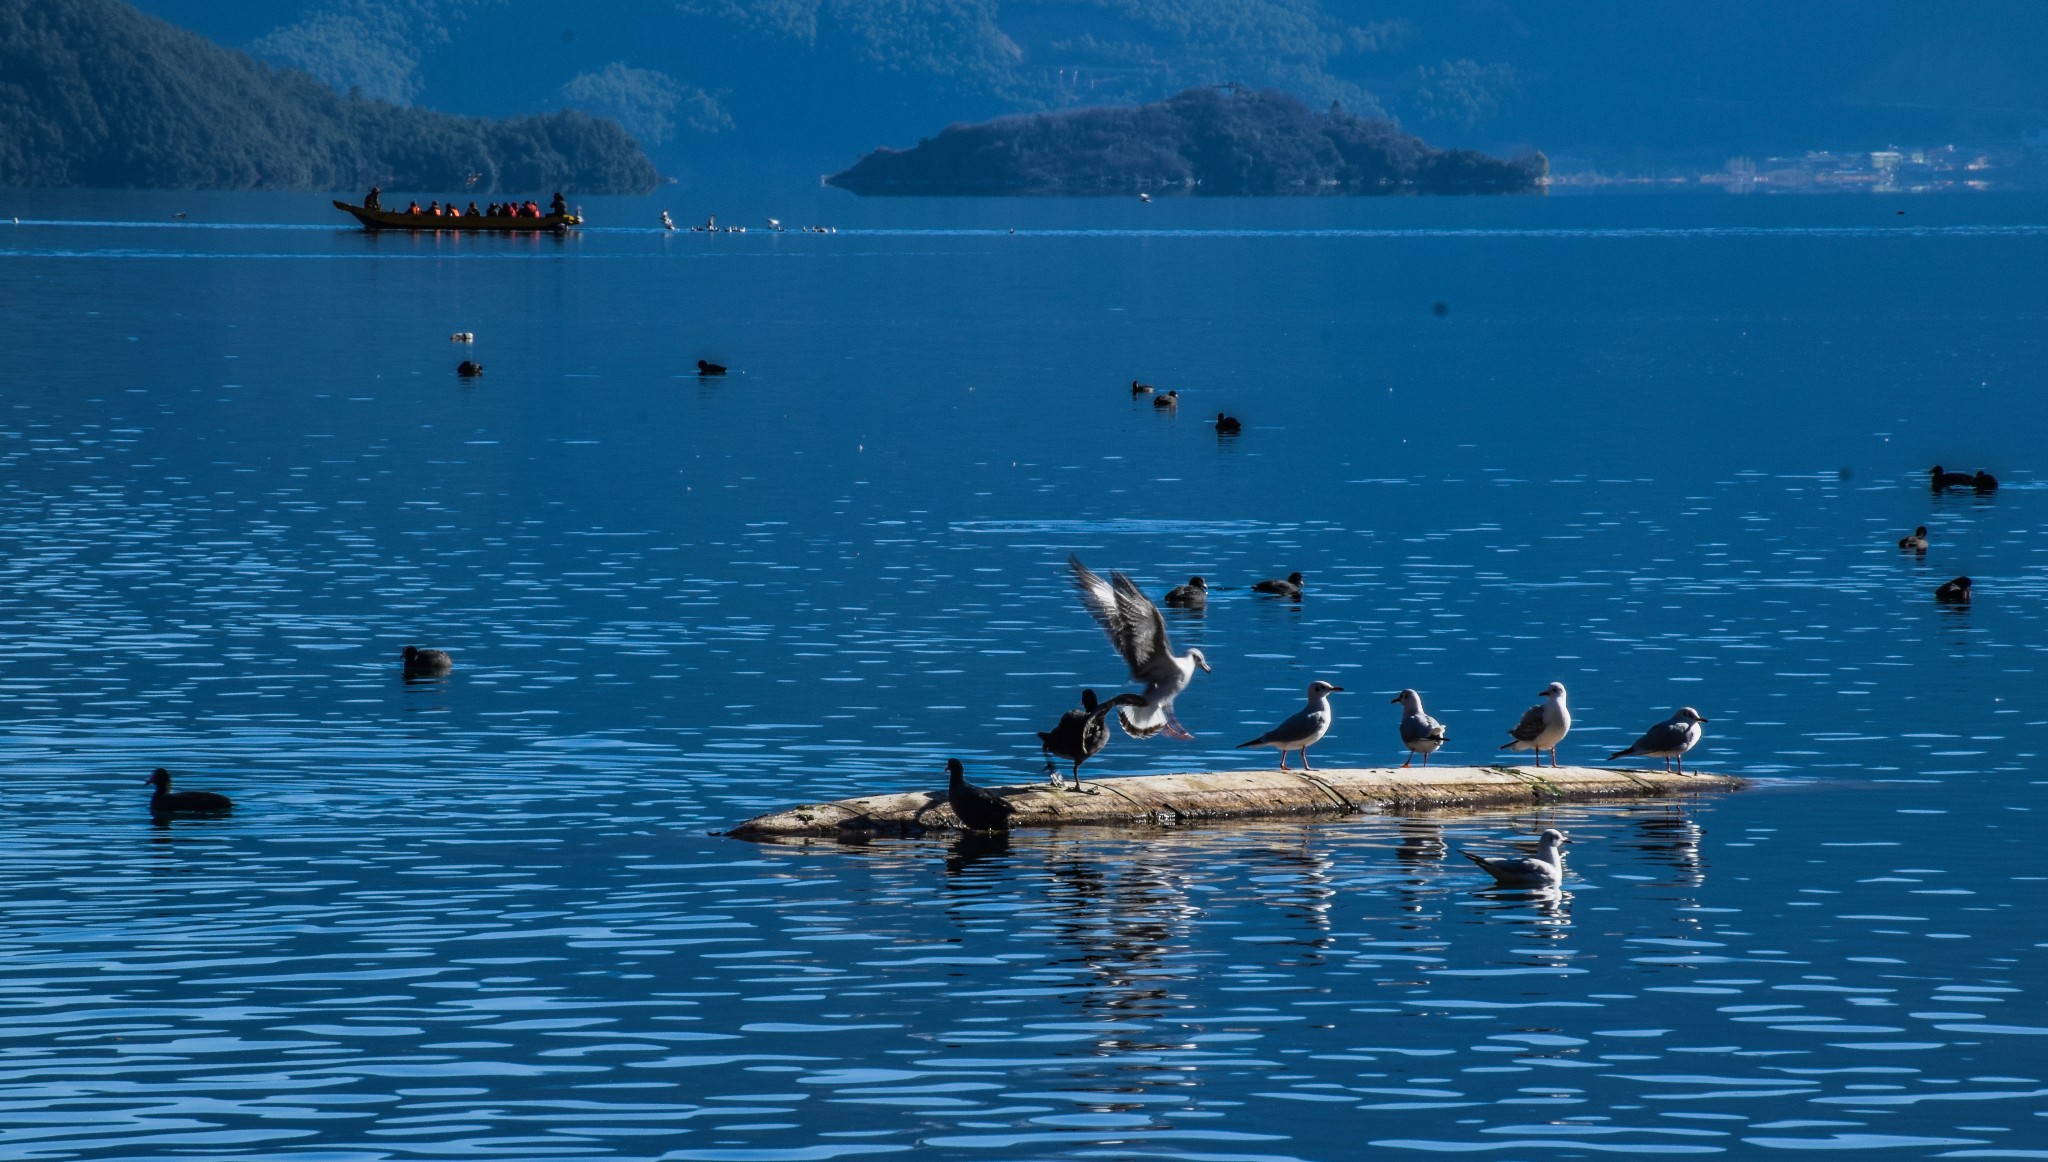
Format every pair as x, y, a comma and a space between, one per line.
1138, 632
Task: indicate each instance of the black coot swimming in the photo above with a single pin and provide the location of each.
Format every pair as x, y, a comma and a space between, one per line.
1228, 425
978, 809
168, 802
706, 367
1956, 592
469, 369
1291, 587
1193, 595
421, 663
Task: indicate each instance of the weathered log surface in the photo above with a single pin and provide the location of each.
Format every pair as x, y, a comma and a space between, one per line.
1249, 794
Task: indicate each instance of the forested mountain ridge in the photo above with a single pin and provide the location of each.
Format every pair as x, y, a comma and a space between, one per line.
96, 93
1208, 141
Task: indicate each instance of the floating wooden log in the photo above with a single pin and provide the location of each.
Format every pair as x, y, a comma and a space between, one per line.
1249, 794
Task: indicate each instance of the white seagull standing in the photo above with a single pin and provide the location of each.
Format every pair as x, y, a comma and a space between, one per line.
1545, 869
1138, 632
1668, 740
1305, 729
1543, 725
1420, 733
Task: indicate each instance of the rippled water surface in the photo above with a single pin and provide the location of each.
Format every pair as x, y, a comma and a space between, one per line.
1659, 450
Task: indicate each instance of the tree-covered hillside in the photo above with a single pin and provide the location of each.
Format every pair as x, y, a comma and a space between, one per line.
95, 93
1204, 141
819, 81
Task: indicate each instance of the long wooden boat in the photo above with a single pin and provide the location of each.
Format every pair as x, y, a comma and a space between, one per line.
481, 224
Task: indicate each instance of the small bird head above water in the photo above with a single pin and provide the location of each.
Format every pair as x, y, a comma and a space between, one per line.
1196, 657
159, 778
1322, 689
1197, 583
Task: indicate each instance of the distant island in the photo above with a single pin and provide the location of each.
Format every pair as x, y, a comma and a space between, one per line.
96, 93
1215, 142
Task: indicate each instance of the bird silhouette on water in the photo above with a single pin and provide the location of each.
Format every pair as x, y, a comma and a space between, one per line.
1228, 425
421, 663
1140, 388
1956, 592
1939, 478
1170, 400
1917, 543
1193, 595
1080, 734
1289, 587
165, 801
1984, 482
1545, 869
469, 369
706, 367
979, 809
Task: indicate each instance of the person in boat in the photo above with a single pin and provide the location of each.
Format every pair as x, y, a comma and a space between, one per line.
433, 209
374, 200
560, 206
413, 209
471, 212
532, 208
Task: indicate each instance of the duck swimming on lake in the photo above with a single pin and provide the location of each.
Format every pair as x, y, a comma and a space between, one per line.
706, 367
1940, 479
1170, 400
978, 808
1543, 725
1193, 595
1667, 740
1140, 388
1984, 482
1228, 425
1917, 543
1956, 592
1137, 630
168, 802
1289, 588
421, 663
469, 369
1304, 728
1545, 869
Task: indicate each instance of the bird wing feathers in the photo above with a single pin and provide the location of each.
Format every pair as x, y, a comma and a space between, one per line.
1304, 724
1665, 736
1421, 728
1134, 625
1531, 724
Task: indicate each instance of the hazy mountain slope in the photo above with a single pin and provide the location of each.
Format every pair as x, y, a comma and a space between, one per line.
94, 92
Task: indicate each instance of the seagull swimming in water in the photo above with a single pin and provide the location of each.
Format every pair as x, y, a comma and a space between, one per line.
1138, 631
1420, 733
1080, 734
1543, 725
1305, 728
1667, 740
1545, 869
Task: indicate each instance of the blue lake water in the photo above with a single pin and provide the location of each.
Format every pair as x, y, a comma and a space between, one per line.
1658, 449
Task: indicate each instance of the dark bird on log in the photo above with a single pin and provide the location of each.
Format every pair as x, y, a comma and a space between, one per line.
1081, 734
978, 809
